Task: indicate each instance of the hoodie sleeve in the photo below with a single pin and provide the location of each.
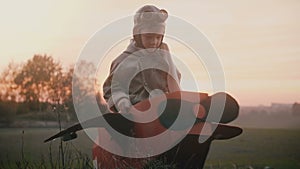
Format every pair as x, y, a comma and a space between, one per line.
113, 99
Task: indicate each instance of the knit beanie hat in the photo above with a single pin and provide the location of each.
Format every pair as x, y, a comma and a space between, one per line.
150, 19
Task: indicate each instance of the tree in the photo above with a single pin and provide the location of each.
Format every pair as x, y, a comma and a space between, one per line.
36, 78
296, 109
74, 87
61, 93
84, 88
83, 80
9, 91
41, 82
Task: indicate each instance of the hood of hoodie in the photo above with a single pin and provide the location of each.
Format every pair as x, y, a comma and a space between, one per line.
135, 59
150, 19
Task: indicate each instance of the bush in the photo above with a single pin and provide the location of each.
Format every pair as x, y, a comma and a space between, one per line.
7, 111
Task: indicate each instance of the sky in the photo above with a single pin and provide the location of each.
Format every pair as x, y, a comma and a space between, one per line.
258, 42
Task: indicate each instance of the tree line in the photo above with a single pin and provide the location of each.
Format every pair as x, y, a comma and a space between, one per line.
42, 85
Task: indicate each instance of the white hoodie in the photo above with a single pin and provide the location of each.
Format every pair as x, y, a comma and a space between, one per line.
137, 72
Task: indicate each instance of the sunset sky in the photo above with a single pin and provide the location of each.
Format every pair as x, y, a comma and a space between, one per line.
258, 42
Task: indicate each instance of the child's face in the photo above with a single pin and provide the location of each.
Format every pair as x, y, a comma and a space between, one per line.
151, 40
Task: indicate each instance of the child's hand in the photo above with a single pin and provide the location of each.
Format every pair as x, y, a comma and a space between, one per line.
124, 105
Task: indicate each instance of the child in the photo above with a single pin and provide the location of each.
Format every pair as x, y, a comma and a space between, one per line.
146, 60
145, 69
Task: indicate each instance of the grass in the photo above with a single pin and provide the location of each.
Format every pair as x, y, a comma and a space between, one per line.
11, 142
27, 150
256, 148
278, 148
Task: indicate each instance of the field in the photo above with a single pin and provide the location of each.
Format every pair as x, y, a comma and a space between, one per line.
256, 148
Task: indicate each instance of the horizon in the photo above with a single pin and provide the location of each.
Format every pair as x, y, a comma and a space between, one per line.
259, 52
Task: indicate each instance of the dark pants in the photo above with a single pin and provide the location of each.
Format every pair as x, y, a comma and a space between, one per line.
188, 154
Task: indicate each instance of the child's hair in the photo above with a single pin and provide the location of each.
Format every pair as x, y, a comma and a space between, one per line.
138, 41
